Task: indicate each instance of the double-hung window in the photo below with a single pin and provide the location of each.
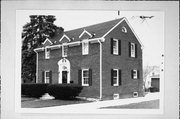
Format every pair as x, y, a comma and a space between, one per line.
115, 47
132, 50
64, 50
47, 77
85, 47
85, 77
115, 77
135, 74
47, 53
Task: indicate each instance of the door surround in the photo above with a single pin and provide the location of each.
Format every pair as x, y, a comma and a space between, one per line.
63, 65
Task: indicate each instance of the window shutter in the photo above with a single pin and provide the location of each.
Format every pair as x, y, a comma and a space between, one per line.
138, 74
43, 78
132, 74
111, 77
50, 77
136, 51
119, 47
119, 77
90, 77
129, 49
111, 45
80, 77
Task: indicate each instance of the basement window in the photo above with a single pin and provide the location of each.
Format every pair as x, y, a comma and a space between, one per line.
135, 94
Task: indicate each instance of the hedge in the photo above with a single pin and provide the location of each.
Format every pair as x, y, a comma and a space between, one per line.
153, 89
64, 91
33, 89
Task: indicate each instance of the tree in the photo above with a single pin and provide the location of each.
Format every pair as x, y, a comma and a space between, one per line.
147, 70
34, 34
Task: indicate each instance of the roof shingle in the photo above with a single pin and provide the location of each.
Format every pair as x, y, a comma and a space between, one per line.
98, 29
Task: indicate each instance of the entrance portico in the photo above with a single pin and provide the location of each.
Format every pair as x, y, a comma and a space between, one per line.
64, 71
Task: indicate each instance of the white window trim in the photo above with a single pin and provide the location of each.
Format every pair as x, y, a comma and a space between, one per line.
135, 93
136, 72
84, 31
124, 29
117, 84
85, 52
117, 52
63, 55
133, 51
47, 56
64, 36
46, 77
82, 78
116, 96
47, 39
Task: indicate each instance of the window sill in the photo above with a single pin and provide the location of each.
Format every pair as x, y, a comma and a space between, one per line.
115, 85
85, 85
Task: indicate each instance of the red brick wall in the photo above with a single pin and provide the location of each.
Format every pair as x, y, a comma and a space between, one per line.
123, 62
77, 61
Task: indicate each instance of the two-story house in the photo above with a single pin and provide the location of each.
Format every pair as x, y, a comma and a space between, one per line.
105, 58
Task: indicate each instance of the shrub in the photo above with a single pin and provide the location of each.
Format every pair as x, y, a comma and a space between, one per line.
153, 89
33, 89
64, 91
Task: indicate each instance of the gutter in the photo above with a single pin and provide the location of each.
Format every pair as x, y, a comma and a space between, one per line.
70, 44
36, 66
100, 74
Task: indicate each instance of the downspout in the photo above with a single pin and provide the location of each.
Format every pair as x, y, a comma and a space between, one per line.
36, 66
100, 81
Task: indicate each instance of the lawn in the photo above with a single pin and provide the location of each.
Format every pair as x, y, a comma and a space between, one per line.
154, 104
38, 103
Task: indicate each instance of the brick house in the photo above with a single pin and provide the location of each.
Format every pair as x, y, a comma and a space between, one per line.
105, 58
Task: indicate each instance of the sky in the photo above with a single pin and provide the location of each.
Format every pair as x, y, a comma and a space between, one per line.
150, 32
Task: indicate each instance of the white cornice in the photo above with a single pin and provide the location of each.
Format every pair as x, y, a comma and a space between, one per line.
134, 33
112, 28
71, 44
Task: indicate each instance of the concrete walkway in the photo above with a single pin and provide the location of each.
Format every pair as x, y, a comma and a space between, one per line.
99, 104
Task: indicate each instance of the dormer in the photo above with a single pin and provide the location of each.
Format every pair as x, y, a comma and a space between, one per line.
64, 39
85, 35
47, 42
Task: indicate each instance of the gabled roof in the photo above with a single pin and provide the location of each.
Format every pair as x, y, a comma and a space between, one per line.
47, 41
85, 32
98, 29
64, 36
95, 31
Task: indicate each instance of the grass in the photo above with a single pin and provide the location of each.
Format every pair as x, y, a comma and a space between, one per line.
154, 104
37, 103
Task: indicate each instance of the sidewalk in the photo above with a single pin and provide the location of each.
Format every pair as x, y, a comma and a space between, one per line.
99, 104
